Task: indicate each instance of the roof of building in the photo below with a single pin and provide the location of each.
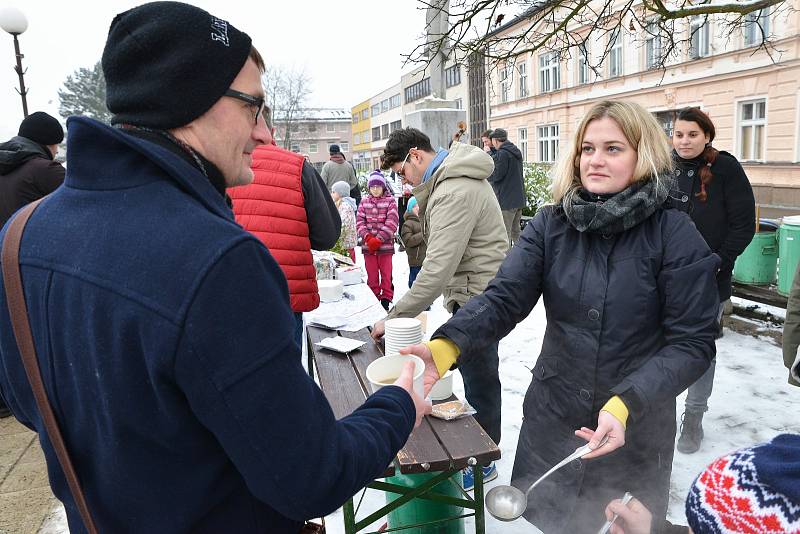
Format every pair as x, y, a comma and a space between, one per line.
317, 114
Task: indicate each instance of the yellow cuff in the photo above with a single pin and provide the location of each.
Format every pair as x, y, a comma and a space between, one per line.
616, 407
444, 352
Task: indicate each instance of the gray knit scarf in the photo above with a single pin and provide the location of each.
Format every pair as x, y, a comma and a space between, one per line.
620, 212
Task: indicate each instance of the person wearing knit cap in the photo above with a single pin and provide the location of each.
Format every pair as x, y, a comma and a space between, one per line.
752, 490
178, 385
376, 223
348, 238
28, 170
338, 169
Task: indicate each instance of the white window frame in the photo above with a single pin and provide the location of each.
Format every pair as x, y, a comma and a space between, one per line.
652, 46
753, 123
356, 138
294, 146
344, 146
522, 140
549, 72
547, 142
522, 71
365, 135
313, 148
583, 64
615, 55
330, 126
752, 32
504, 83
699, 37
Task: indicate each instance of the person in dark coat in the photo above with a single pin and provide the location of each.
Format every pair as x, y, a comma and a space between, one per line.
163, 329
628, 287
507, 182
28, 171
723, 209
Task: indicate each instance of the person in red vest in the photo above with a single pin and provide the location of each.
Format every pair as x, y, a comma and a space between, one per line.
288, 208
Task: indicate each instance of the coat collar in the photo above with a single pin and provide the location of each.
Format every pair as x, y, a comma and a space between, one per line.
100, 157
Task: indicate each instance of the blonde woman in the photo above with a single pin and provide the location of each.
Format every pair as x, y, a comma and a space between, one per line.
628, 287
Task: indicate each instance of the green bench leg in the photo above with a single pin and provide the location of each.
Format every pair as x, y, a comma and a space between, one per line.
349, 517
480, 518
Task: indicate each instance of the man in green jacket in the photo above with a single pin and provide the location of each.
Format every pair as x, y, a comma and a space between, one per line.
466, 239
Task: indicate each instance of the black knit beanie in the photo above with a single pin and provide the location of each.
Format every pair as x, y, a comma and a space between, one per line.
41, 128
167, 63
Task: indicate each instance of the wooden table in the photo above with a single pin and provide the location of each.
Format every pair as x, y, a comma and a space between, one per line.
445, 447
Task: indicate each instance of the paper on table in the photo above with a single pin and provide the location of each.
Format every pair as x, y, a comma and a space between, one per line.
340, 344
349, 315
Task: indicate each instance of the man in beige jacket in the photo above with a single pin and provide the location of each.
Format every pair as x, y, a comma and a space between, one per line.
466, 239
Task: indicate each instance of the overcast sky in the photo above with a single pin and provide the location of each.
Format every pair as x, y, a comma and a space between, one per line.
351, 50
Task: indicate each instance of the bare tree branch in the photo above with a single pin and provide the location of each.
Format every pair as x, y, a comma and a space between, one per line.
286, 92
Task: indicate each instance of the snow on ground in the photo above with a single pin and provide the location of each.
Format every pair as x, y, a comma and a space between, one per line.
751, 403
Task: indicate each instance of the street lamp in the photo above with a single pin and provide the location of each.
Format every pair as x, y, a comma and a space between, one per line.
14, 22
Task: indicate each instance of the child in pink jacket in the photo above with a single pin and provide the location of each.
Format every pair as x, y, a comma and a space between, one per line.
376, 223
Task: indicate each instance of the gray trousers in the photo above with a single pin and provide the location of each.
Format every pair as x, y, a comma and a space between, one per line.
700, 391
511, 219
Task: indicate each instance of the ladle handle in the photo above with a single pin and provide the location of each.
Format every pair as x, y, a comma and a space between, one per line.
579, 452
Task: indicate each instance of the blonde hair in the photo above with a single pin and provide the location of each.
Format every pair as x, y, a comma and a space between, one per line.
641, 130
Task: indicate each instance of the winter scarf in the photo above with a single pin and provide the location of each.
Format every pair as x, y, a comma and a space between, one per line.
620, 212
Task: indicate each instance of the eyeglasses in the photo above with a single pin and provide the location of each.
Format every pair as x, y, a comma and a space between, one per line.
257, 102
400, 172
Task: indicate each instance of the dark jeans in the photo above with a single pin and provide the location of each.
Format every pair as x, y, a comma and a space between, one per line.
412, 274
298, 329
482, 387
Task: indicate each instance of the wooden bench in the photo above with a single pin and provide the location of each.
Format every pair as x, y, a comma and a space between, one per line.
445, 447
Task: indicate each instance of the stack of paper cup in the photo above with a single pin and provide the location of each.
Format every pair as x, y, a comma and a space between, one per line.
402, 333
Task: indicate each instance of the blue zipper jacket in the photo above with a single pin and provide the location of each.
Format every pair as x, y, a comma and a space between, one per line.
164, 336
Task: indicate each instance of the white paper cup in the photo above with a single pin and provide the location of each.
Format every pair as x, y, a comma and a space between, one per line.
443, 388
385, 370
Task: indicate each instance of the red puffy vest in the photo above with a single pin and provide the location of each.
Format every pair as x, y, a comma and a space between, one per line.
272, 209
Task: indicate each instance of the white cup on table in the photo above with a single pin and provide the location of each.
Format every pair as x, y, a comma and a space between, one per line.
386, 370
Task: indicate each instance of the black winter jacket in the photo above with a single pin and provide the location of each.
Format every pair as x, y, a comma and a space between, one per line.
727, 219
27, 173
507, 177
630, 314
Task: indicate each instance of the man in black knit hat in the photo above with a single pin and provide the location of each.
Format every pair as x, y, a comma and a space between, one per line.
28, 171
163, 329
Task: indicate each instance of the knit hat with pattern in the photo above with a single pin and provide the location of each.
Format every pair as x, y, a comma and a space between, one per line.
376, 178
754, 490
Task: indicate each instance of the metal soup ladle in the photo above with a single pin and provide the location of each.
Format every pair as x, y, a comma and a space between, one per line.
508, 503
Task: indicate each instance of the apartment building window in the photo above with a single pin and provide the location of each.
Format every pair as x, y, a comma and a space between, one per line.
418, 90
312, 127
667, 121
385, 131
615, 54
394, 102
583, 64
522, 70
548, 142
295, 147
452, 76
356, 139
522, 138
376, 110
365, 136
384, 105
312, 148
396, 125
698, 32
652, 46
752, 124
345, 146
504, 83
330, 127
549, 72
756, 27
355, 118
364, 114
376, 133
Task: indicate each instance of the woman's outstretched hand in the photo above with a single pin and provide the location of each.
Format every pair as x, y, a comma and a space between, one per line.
608, 425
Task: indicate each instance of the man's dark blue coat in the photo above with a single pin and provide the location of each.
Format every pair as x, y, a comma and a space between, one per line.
164, 335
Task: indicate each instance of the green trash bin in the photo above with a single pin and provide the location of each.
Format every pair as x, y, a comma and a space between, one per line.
789, 252
757, 265
419, 511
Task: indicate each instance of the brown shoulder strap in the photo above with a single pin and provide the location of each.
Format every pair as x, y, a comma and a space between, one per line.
15, 298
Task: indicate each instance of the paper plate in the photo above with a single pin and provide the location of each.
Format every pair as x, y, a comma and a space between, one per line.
340, 344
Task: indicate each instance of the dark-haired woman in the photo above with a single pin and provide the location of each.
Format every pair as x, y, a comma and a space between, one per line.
723, 209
